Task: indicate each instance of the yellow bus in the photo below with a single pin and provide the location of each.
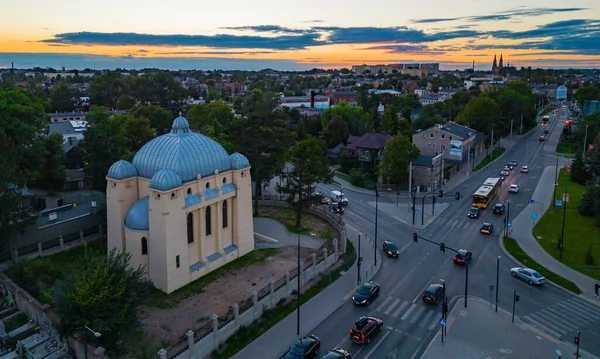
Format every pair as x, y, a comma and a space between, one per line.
486, 193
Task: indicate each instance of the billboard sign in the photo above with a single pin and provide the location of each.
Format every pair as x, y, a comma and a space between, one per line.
456, 149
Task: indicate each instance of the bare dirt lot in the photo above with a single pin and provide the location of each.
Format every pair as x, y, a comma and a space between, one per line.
168, 326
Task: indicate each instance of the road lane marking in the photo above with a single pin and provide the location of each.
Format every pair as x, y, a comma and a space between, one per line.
349, 295
408, 274
434, 324
551, 321
417, 315
392, 306
377, 345
535, 323
426, 318
382, 305
408, 312
400, 309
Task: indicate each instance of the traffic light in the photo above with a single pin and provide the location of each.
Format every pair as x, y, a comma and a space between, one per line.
517, 297
567, 123
441, 193
442, 247
433, 200
415, 237
457, 195
576, 341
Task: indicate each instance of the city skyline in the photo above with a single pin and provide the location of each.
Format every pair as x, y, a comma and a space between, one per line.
334, 34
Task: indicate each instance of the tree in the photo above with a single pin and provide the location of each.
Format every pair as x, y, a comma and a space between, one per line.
310, 166
62, 98
262, 134
336, 132
104, 144
138, 130
514, 106
358, 121
481, 114
396, 158
579, 172
22, 121
106, 89
586, 205
52, 174
105, 293
160, 119
216, 115
389, 122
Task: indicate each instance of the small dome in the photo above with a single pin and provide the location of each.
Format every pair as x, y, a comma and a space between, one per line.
138, 217
181, 123
239, 161
121, 170
165, 180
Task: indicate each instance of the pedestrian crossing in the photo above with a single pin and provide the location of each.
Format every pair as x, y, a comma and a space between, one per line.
564, 317
450, 222
426, 316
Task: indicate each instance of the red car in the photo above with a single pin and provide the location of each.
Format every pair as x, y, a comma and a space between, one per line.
364, 328
542, 139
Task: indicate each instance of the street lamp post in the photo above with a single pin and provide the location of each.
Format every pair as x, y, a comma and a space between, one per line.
585, 140
562, 236
555, 182
466, 282
85, 345
497, 280
443, 307
359, 259
298, 289
376, 219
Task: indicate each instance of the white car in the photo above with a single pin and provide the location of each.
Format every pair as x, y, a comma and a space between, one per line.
525, 169
514, 188
528, 275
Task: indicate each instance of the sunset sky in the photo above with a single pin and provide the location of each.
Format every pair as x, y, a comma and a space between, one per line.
297, 35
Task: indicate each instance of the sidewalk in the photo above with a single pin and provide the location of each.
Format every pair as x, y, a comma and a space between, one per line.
522, 227
275, 341
479, 332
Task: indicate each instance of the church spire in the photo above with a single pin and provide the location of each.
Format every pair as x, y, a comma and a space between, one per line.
501, 64
495, 64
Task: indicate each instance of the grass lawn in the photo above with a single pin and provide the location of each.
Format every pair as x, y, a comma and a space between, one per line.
346, 177
567, 148
515, 250
495, 154
309, 223
582, 238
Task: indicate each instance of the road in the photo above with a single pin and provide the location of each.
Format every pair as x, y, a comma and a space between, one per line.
409, 323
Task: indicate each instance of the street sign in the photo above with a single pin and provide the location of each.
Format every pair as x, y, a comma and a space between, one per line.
534, 215
509, 224
442, 322
531, 201
565, 197
416, 211
558, 202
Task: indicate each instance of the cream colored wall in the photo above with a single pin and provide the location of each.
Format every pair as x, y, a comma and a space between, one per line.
243, 231
134, 246
120, 196
143, 187
194, 248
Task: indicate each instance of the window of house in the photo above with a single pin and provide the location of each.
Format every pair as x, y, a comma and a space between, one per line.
224, 180
189, 191
177, 261
207, 185
224, 209
443, 135
443, 147
431, 136
158, 196
144, 246
243, 174
207, 220
190, 228
173, 195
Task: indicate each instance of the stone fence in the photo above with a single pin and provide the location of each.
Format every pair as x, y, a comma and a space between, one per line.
202, 342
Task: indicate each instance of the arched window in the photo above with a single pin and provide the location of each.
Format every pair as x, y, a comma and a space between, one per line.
207, 220
207, 185
189, 191
173, 196
224, 209
144, 246
190, 228
224, 180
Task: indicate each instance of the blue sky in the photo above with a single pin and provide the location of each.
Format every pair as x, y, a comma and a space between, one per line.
298, 35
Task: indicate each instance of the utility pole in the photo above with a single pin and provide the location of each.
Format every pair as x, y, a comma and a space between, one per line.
497, 280
585, 140
511, 127
468, 162
492, 143
376, 212
562, 236
358, 263
298, 289
555, 181
515, 300
577, 343
521, 131
410, 175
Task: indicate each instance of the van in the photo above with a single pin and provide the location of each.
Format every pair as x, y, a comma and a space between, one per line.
337, 196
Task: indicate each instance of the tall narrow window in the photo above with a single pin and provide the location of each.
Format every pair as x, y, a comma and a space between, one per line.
190, 228
207, 220
177, 261
224, 208
144, 246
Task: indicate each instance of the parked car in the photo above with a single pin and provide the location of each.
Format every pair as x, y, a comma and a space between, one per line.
499, 208
390, 249
433, 293
525, 169
528, 275
487, 228
462, 257
364, 329
509, 166
542, 138
337, 353
337, 196
365, 293
514, 188
546, 131
514, 163
305, 347
337, 208
474, 212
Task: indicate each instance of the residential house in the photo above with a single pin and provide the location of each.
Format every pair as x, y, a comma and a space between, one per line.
235, 87
322, 102
367, 148
409, 86
431, 98
428, 173
451, 140
74, 116
389, 92
342, 96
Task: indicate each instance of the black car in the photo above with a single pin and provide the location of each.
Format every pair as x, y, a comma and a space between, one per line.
509, 166
514, 163
337, 354
365, 293
433, 293
499, 208
487, 228
337, 208
546, 131
474, 212
390, 249
305, 347
462, 257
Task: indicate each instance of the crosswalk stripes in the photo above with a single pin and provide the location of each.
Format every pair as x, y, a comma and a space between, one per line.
426, 318
382, 305
389, 309
417, 315
399, 310
411, 312
408, 312
564, 317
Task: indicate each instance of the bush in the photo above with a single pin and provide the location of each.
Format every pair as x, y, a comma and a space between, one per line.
358, 177
347, 163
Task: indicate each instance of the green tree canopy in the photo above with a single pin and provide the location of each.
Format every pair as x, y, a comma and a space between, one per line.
138, 130
106, 89
216, 115
389, 122
396, 158
52, 174
62, 98
358, 121
103, 293
336, 132
160, 119
481, 114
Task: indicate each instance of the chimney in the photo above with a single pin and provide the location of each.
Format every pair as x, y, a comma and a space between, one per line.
312, 99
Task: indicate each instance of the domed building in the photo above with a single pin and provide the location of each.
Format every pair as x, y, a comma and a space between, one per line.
182, 208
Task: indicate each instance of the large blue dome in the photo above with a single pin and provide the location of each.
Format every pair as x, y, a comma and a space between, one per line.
184, 152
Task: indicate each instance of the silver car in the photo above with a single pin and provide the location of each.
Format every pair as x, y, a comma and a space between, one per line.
528, 275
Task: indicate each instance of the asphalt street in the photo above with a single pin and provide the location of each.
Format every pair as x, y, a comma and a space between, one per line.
409, 323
